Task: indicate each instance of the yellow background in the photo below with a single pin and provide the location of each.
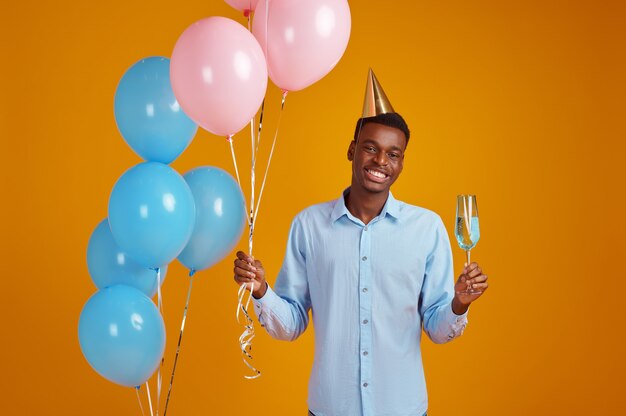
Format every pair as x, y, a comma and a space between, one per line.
521, 103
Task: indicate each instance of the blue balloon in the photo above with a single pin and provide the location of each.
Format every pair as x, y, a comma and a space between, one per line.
122, 335
148, 115
109, 265
151, 213
220, 217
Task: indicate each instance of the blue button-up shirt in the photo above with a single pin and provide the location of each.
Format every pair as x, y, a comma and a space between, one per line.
370, 288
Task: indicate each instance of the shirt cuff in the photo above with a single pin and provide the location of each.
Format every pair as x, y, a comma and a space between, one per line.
266, 302
454, 315
457, 322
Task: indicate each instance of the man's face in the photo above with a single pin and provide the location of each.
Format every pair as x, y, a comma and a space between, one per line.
377, 158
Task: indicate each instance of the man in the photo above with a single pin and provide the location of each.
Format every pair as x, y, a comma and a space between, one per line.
373, 271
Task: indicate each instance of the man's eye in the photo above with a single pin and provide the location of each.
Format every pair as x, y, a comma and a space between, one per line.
370, 149
393, 155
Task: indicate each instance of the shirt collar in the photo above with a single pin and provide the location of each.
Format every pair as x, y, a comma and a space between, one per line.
391, 208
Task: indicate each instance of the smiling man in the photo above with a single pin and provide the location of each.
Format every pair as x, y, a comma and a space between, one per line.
373, 271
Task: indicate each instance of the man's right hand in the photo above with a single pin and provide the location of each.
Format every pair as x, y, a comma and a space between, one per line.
248, 270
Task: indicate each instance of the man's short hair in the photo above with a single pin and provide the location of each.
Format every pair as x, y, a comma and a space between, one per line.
386, 119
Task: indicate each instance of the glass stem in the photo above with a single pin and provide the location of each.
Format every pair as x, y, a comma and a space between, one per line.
468, 256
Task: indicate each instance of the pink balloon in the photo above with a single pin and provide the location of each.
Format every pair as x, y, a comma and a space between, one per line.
305, 40
218, 74
246, 6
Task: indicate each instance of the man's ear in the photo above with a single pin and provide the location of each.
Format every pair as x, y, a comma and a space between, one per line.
351, 151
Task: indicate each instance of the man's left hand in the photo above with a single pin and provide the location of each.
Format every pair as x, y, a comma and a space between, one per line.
471, 285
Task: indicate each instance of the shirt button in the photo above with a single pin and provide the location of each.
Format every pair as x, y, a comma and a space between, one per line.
364, 289
365, 228
365, 321
364, 258
365, 384
364, 352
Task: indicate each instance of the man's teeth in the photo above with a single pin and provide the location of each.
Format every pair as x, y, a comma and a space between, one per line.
377, 174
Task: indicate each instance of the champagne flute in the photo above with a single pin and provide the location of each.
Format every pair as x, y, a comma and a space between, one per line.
467, 230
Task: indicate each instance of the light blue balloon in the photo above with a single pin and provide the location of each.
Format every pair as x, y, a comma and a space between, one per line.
220, 217
122, 335
151, 213
109, 265
148, 115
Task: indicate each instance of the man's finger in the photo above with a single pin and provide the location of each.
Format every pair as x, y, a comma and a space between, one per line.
242, 264
240, 279
243, 256
480, 286
244, 274
475, 272
479, 279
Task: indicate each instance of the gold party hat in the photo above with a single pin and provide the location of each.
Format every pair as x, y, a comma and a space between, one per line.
376, 102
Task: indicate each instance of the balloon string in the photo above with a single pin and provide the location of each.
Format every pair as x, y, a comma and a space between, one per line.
258, 139
252, 137
269, 160
240, 295
139, 400
180, 338
159, 382
255, 151
159, 297
232, 152
252, 186
245, 340
149, 398
248, 333
159, 377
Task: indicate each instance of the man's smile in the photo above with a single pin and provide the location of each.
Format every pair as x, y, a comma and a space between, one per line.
376, 175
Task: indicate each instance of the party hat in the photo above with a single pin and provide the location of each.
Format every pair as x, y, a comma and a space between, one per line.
376, 102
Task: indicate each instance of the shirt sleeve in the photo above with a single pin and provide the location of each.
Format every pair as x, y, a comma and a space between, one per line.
284, 312
435, 305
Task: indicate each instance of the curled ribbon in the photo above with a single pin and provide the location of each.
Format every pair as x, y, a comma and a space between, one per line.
245, 340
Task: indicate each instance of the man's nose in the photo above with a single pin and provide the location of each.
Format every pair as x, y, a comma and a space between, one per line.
381, 159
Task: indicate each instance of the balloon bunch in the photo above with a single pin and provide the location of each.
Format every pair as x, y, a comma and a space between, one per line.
217, 79
151, 217
155, 215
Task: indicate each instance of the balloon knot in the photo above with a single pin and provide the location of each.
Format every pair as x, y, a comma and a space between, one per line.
246, 13
192, 272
